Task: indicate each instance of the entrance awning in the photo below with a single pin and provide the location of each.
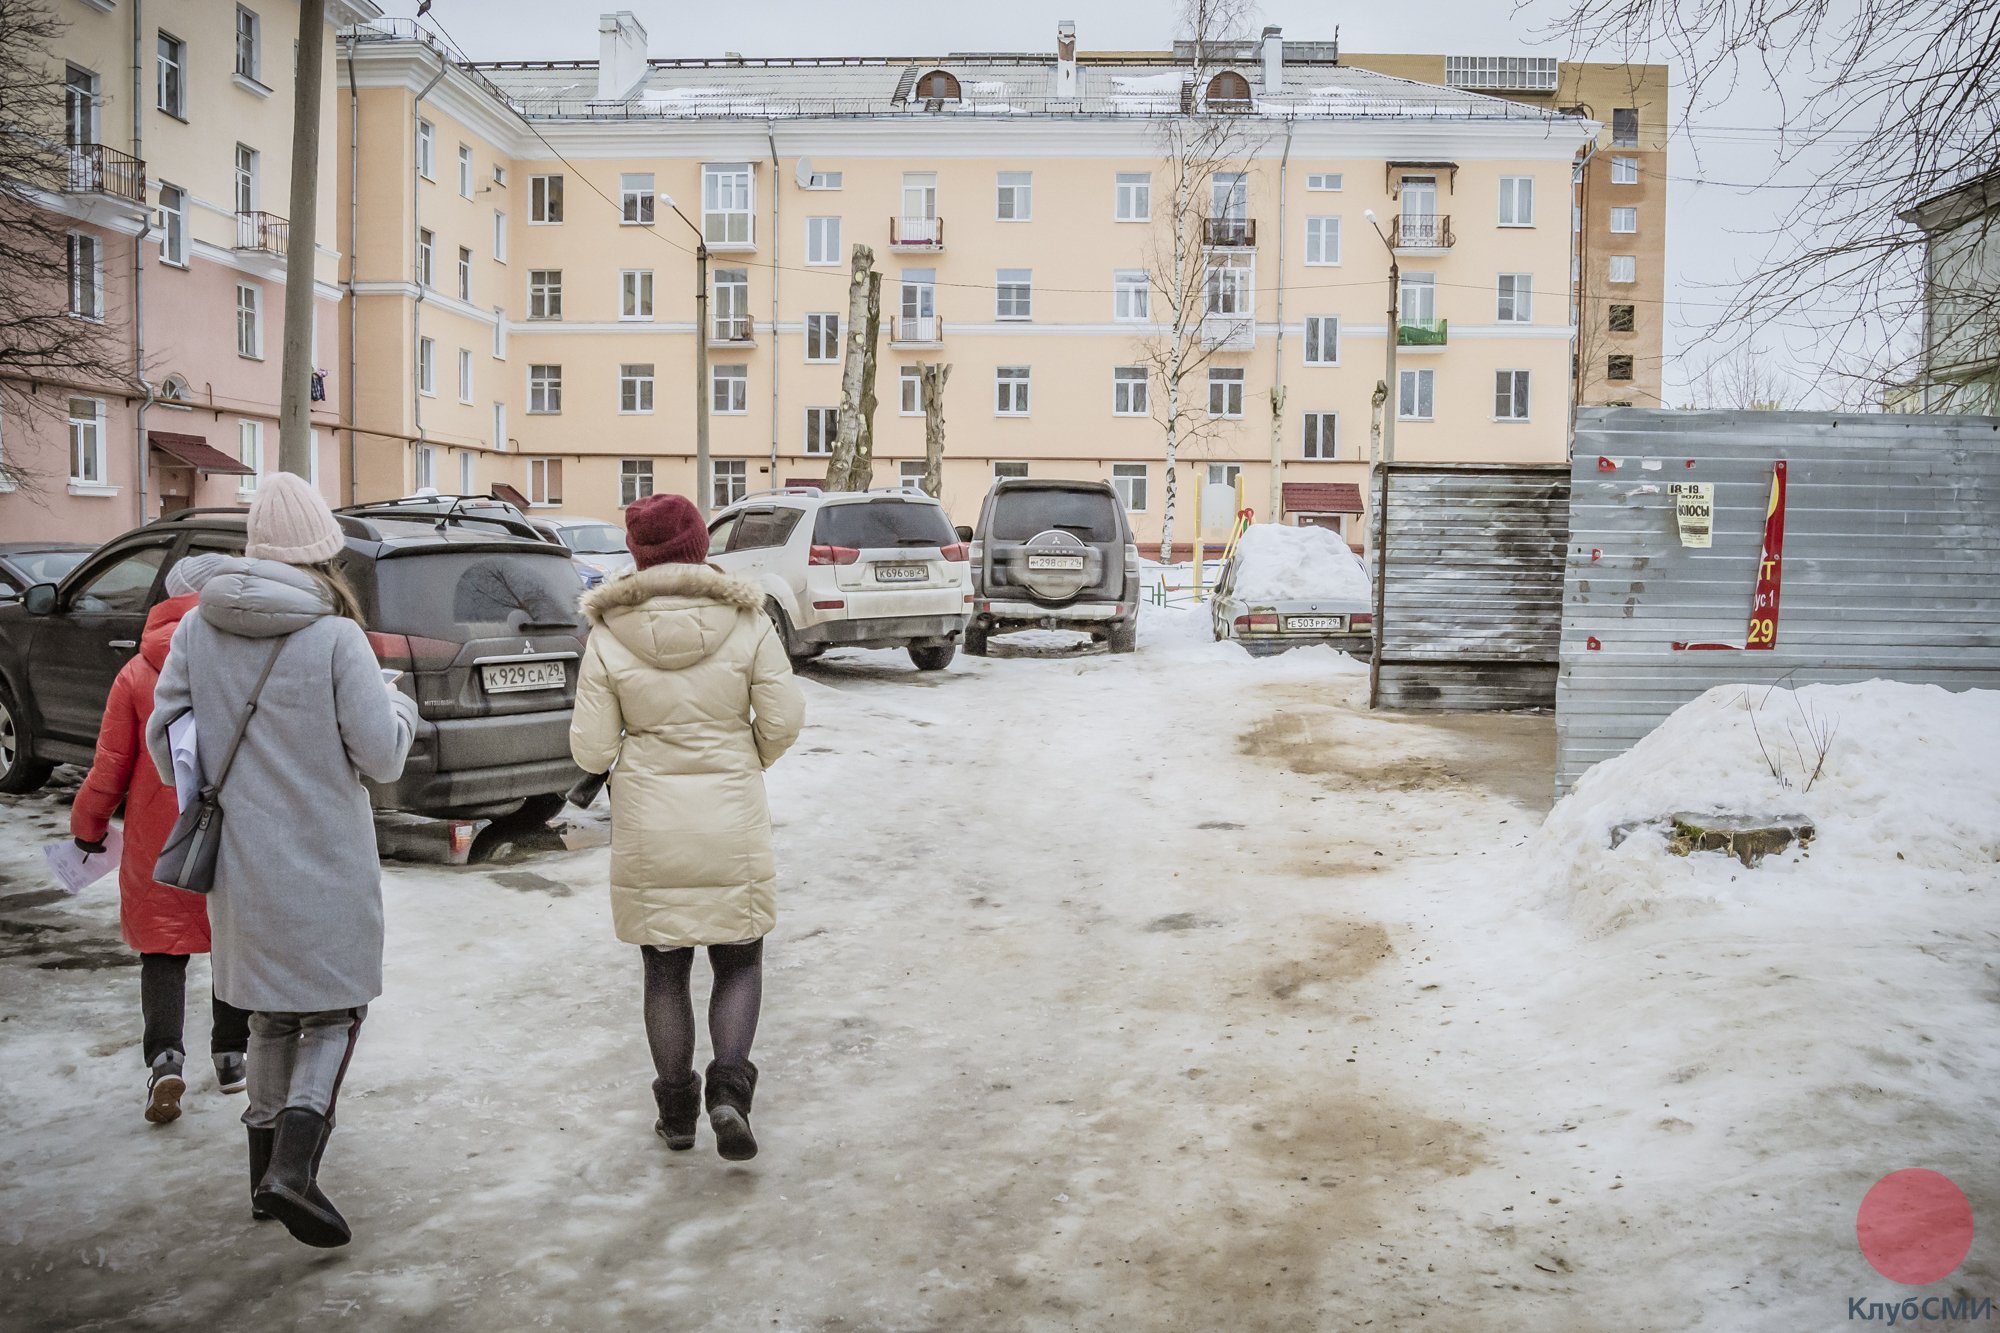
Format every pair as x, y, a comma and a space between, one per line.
195, 452
1322, 497
503, 491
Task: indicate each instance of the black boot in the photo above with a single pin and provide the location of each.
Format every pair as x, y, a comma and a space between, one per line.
289, 1190
680, 1108
260, 1162
729, 1092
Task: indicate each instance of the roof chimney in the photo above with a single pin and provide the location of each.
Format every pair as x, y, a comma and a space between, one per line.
1274, 60
621, 54
1066, 58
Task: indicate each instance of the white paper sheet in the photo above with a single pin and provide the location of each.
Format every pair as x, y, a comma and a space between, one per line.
187, 763
76, 869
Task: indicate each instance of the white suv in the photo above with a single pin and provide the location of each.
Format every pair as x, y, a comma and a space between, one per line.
862, 569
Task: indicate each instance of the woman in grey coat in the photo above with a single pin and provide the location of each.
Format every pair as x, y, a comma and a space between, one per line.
296, 914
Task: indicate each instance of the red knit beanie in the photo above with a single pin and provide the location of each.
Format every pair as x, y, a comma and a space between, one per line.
665, 530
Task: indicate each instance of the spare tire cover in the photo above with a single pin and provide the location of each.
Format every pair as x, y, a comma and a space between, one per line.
1054, 565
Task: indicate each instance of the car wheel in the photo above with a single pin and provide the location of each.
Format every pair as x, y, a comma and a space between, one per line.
974, 639
933, 657
536, 810
1124, 637
20, 772
796, 651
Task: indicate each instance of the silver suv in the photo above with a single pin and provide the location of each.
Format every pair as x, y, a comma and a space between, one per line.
1054, 555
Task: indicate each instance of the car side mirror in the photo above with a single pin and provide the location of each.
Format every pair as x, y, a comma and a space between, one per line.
964, 531
40, 599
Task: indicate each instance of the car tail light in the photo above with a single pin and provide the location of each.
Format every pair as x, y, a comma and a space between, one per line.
957, 551
832, 555
412, 652
1360, 620
834, 605
1256, 622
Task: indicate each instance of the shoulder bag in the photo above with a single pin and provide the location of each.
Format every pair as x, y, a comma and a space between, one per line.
187, 861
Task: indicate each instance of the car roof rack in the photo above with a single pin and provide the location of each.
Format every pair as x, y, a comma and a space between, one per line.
182, 515
784, 490
511, 521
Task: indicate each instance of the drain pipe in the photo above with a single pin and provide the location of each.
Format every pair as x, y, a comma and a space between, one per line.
417, 225
142, 459
1277, 513
771, 137
353, 274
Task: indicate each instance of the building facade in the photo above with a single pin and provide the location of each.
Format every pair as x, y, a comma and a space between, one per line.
523, 309
1960, 367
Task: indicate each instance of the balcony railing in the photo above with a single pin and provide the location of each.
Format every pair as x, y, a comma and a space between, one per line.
1422, 332
916, 233
97, 169
732, 329
1424, 231
916, 331
1229, 233
266, 233
1229, 333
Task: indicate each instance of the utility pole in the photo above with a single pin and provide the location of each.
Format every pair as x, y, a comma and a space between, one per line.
1395, 298
704, 479
301, 247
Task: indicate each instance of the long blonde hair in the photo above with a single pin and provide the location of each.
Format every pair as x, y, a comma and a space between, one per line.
338, 590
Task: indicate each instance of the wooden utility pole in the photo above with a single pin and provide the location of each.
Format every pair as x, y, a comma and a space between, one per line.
863, 289
296, 368
931, 381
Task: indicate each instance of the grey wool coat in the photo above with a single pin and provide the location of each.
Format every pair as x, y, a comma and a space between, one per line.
296, 915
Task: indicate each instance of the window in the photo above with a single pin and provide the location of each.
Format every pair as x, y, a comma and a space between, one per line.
1228, 289
545, 481
635, 387
544, 389
910, 391
822, 337
937, 86
1129, 480
426, 150
423, 467
1413, 397
1135, 196
919, 209
1618, 367
730, 482
1229, 91
822, 425
1516, 302
1510, 395
426, 257
910, 474
822, 240
465, 170
823, 180
464, 274
86, 442
427, 365
1009, 471
1322, 240
1131, 296
1015, 200
1624, 268
171, 76
499, 427
1224, 474
246, 179
1013, 296
1010, 391
1323, 180
725, 204
1536, 74
545, 293
1225, 391
1322, 435
635, 293
499, 236
250, 453
173, 225
80, 106
1517, 201
635, 479
1623, 318
635, 198
465, 374
1417, 300
1625, 127
1229, 197
1624, 171
1128, 392
466, 483
499, 332
86, 276
249, 321
249, 59
1624, 221
729, 389
731, 312
545, 199
1322, 340
500, 175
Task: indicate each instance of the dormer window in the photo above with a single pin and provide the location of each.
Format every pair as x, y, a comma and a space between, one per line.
174, 390
1229, 91
937, 86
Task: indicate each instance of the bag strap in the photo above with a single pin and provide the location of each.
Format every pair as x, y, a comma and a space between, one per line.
249, 710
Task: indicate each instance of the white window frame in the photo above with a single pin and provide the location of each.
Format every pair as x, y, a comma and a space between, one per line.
465, 273
1010, 465
1514, 299
545, 389
545, 199
1517, 201
1322, 336
635, 199
467, 464
823, 180
729, 205
1510, 395
822, 335
499, 427
1132, 481
427, 257
1012, 389
465, 171
729, 389
910, 473
540, 473
423, 466
909, 392
730, 303
173, 225
250, 321
170, 75
1323, 241
499, 334
635, 388
1225, 384
1314, 442
729, 481
1131, 296
85, 265
1132, 199
1627, 264
1624, 171
426, 149
635, 480
635, 294
1131, 391
1013, 294
248, 178
86, 443
822, 426
427, 366
499, 236
1321, 181
1416, 396
250, 453
1624, 222
465, 375
545, 294
823, 240
249, 45
1014, 196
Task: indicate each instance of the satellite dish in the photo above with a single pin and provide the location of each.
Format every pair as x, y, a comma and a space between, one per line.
803, 173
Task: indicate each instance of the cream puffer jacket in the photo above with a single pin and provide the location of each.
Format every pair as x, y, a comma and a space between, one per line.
686, 686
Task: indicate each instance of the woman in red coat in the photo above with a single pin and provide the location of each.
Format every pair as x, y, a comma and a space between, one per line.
163, 923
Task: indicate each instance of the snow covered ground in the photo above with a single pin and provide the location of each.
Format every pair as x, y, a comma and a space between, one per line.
1172, 991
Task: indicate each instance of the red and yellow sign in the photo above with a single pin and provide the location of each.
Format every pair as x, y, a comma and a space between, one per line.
1770, 567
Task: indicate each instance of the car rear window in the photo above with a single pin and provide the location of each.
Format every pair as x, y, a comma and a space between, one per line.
877, 523
595, 539
47, 566
1090, 516
471, 594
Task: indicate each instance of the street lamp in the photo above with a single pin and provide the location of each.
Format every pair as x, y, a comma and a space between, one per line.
1378, 531
704, 484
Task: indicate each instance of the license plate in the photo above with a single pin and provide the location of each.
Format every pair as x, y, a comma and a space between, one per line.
507, 677
1309, 623
902, 573
1055, 562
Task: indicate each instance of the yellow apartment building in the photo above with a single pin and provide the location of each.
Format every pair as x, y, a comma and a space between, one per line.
523, 291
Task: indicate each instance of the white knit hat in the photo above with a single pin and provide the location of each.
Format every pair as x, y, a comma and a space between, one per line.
290, 522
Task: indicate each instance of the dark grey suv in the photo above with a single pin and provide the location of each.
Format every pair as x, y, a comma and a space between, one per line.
480, 615
1054, 555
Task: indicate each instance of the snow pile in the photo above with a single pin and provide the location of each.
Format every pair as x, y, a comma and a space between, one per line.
1279, 563
1910, 783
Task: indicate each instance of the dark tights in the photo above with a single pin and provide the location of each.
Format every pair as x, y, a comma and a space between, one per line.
733, 1003
163, 1005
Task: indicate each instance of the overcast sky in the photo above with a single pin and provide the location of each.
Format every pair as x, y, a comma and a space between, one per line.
1715, 234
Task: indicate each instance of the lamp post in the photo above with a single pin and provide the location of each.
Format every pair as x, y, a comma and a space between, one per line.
1395, 299
704, 482
1378, 535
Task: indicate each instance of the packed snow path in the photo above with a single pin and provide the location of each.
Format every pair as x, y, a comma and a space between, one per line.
1169, 992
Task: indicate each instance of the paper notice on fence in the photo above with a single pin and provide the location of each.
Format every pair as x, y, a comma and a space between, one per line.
187, 763
76, 869
1694, 511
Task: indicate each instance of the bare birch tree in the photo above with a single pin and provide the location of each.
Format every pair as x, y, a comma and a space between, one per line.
931, 380
852, 465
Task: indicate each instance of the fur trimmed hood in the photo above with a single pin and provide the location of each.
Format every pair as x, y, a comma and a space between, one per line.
672, 616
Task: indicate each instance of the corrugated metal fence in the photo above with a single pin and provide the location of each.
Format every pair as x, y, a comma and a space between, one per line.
1890, 563
1472, 593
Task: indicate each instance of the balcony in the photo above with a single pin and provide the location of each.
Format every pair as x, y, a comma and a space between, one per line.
916, 331
732, 331
1229, 233
263, 233
1229, 333
914, 235
96, 169
1422, 333
1426, 232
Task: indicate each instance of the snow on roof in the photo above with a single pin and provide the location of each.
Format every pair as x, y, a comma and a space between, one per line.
1276, 563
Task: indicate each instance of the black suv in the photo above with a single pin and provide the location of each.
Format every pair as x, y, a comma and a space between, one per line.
1054, 555
479, 614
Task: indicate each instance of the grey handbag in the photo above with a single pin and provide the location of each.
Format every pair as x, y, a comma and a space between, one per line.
187, 861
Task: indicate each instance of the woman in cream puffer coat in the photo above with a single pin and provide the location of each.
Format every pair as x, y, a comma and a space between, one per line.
686, 689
